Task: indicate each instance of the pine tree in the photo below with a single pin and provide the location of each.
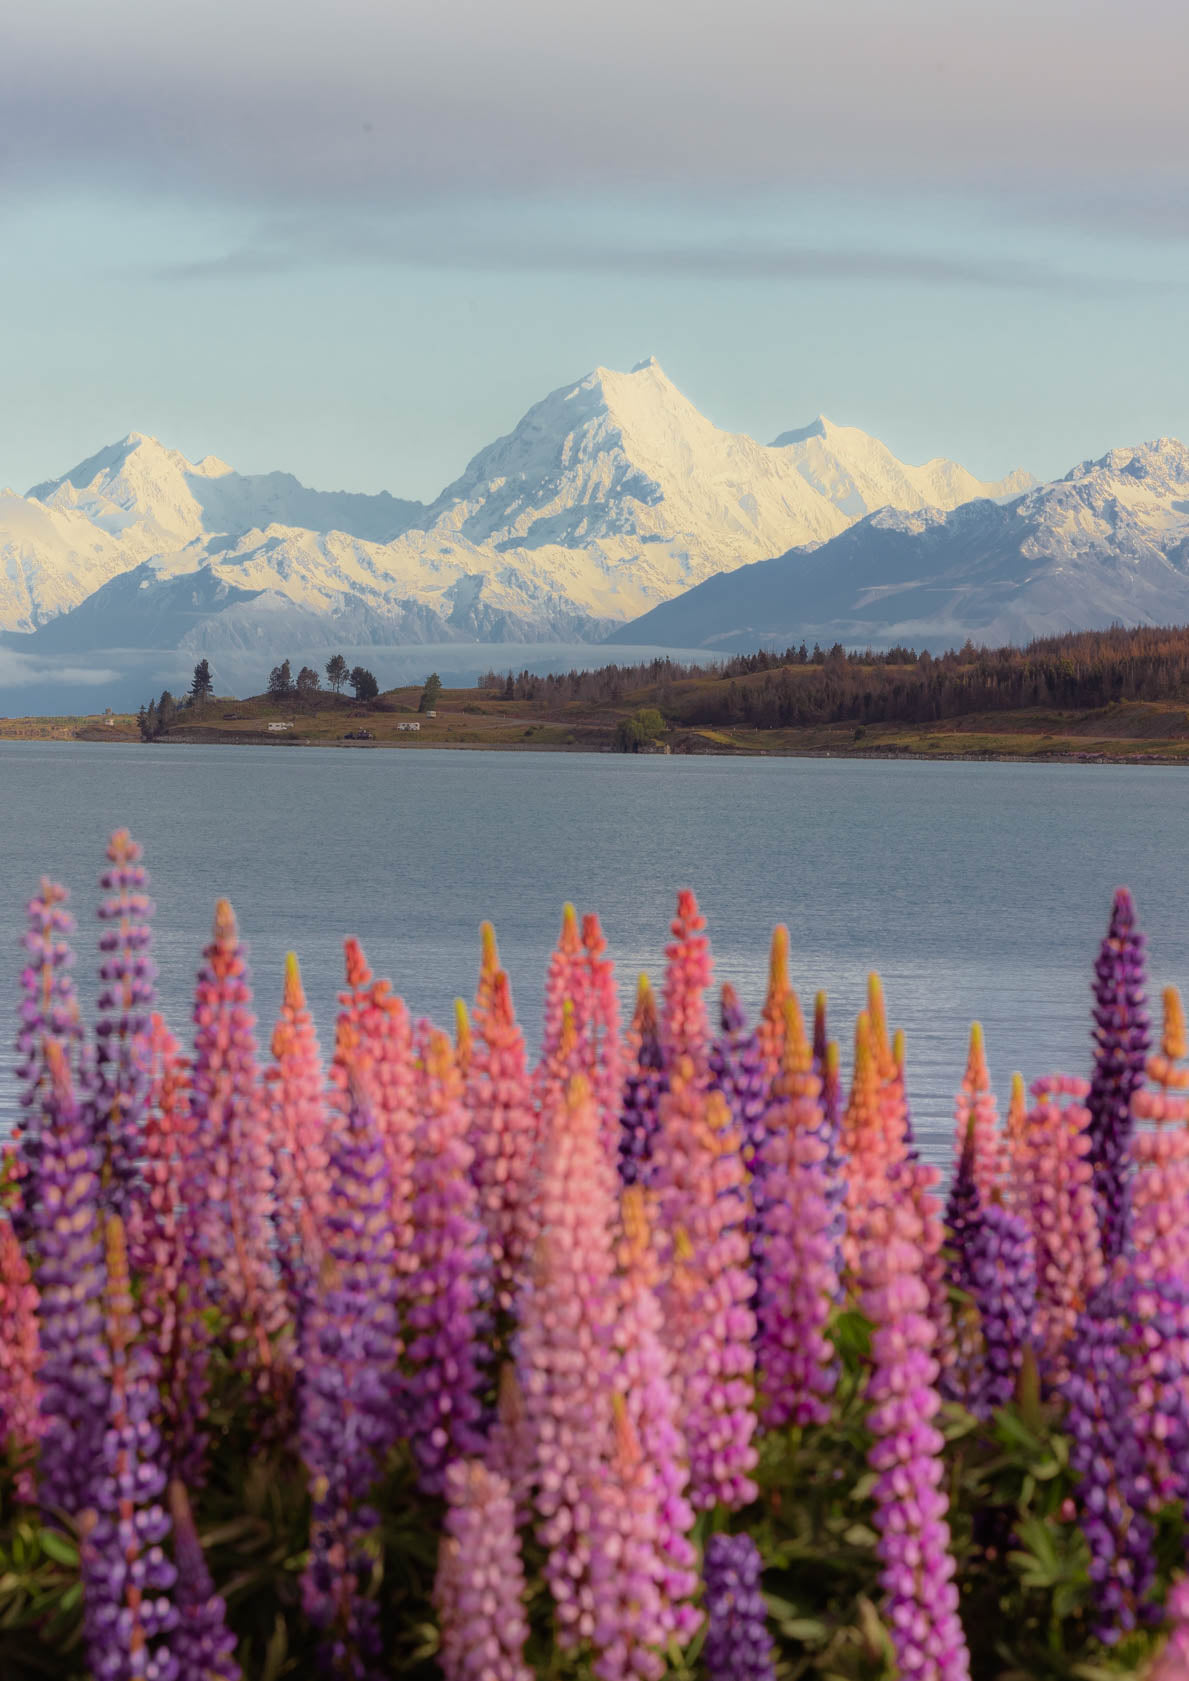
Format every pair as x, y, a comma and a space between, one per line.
430, 693
364, 684
201, 685
336, 672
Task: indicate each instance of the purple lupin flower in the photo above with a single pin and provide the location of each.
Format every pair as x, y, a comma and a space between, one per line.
202, 1643
910, 1504
446, 1293
128, 1614
798, 1275
639, 1116
959, 1345
1121, 1041
68, 1246
738, 1646
479, 1590
123, 1059
1001, 1273
48, 1014
739, 1070
347, 1415
1106, 1455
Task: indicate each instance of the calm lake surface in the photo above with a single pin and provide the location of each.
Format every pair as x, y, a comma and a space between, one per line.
978, 891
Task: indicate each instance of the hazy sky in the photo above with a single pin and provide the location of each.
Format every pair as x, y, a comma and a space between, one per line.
358, 239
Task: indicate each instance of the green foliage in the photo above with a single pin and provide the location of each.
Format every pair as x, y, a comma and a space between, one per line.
336, 672
430, 693
364, 684
280, 681
637, 731
201, 685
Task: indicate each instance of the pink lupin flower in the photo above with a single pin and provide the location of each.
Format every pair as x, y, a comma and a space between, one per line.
1171, 1663
707, 1286
1014, 1147
864, 1144
567, 1014
910, 1504
447, 1291
374, 1046
20, 1356
48, 1015
888, 1055
229, 1173
770, 1030
1157, 1268
489, 967
299, 1117
479, 1591
1057, 1192
511, 1446
604, 1050
503, 1138
798, 1277
173, 1291
564, 1350
685, 1024
464, 1039
649, 1468
976, 1117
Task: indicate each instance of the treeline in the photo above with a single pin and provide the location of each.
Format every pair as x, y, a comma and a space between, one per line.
1079, 671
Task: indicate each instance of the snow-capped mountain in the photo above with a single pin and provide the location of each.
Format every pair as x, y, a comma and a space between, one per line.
1108, 542
610, 496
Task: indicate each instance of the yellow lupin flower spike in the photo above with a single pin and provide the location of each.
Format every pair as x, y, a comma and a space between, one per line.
294, 993
571, 934
1173, 1042
977, 1073
462, 1036
798, 1053
878, 1018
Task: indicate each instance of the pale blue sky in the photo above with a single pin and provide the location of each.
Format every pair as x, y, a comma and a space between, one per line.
357, 240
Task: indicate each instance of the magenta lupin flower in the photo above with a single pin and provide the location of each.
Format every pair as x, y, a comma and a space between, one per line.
563, 1351
128, 1612
120, 1083
1172, 1661
1121, 1041
448, 1291
48, 1014
707, 1287
566, 1028
70, 1277
503, 1138
1058, 1195
910, 1505
604, 1050
685, 1025
20, 1358
798, 1276
976, 1121
203, 1645
348, 1402
1001, 1273
229, 1173
479, 1590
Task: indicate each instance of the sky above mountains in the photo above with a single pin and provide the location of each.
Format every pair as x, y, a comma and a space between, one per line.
360, 239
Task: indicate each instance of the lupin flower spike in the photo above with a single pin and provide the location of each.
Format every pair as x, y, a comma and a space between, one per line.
1172, 1661
567, 1012
975, 1116
707, 1287
202, 1644
771, 1026
348, 1412
563, 1351
122, 1025
910, 1503
448, 1291
1121, 1040
738, 1646
604, 1052
70, 1277
48, 1014
685, 1026
463, 1038
479, 1592
489, 968
298, 1117
739, 1071
20, 1357
821, 1037
799, 1270
503, 1136
645, 1082
230, 1179
126, 1576
872, 1138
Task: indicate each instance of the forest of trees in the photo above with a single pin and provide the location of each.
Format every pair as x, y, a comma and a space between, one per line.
1075, 672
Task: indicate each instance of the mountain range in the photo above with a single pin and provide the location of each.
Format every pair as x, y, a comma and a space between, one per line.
609, 499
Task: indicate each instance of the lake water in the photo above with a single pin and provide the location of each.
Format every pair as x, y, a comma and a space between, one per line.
978, 890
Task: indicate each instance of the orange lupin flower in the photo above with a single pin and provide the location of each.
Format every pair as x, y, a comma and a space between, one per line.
976, 1117
770, 1029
